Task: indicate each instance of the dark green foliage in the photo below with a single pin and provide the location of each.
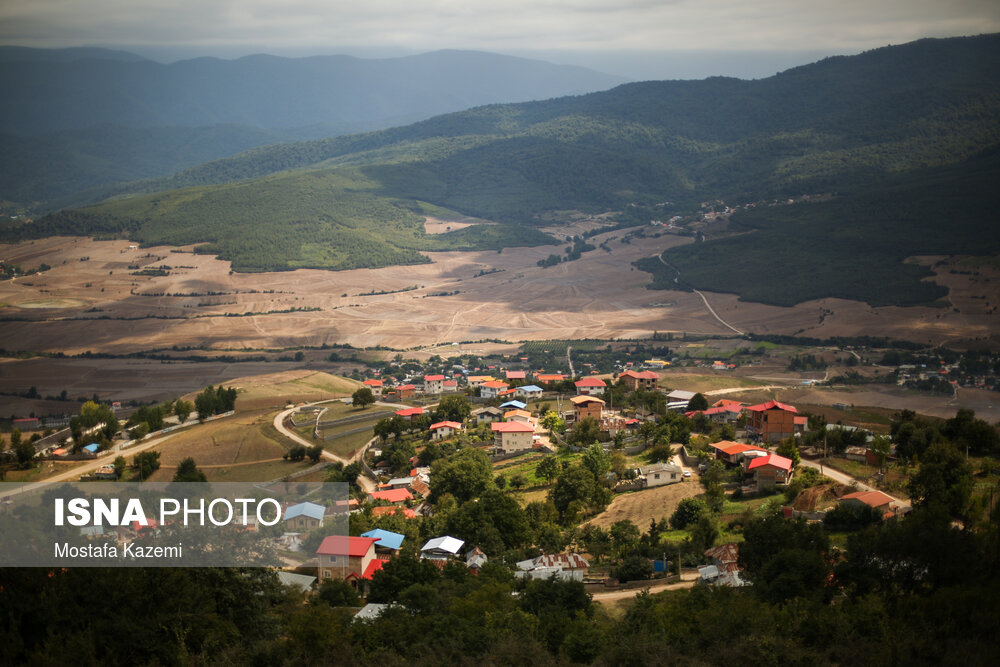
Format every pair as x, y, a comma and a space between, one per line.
214, 401
943, 482
146, 463
338, 593
687, 512
187, 471
466, 475
697, 402
851, 516
453, 408
362, 398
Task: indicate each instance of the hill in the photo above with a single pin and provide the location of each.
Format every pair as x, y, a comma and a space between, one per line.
864, 128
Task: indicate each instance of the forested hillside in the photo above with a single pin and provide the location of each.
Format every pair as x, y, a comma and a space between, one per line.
860, 128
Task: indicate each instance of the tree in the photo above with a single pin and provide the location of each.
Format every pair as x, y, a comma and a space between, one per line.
553, 423
548, 468
687, 512
597, 461
295, 453
585, 433
147, 463
944, 480
624, 535
183, 410
187, 471
633, 568
314, 453
790, 450
120, 465
454, 408
574, 489
882, 447
697, 402
466, 475
24, 450
362, 398
338, 593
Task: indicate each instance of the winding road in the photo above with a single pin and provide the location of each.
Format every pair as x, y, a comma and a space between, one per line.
707, 304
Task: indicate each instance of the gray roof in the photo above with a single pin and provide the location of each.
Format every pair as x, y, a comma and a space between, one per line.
370, 611
293, 580
661, 467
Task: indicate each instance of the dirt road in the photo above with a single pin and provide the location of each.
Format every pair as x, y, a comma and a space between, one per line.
688, 580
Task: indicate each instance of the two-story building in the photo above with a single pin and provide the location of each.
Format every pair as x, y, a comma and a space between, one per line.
492, 389
590, 386
587, 406
771, 421
636, 380
342, 555
513, 436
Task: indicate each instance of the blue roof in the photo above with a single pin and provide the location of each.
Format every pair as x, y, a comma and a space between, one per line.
386, 538
311, 510
92, 447
514, 404
529, 387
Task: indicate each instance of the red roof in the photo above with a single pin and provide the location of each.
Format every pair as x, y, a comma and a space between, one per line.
727, 403
389, 510
374, 566
373, 383
393, 495
455, 425
870, 498
515, 375
800, 421
405, 387
340, 545
590, 382
641, 375
772, 405
409, 412
771, 460
451, 383
554, 377
512, 427
433, 378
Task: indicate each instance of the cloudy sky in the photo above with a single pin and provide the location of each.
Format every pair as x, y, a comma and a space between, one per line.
229, 28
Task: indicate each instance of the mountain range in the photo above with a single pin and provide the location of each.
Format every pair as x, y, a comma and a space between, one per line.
874, 132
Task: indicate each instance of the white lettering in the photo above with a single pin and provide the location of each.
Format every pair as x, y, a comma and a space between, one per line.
211, 514
200, 511
277, 509
80, 508
163, 508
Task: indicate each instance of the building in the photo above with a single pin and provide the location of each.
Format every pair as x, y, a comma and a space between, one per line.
734, 452
724, 570
874, 499
722, 414
771, 470
518, 416
771, 421
409, 413
433, 384
549, 378
514, 405
304, 517
340, 556
587, 406
388, 543
375, 386
476, 381
565, 567
487, 415
441, 548
590, 386
636, 380
492, 389
442, 430
528, 392
392, 495
390, 510
515, 375
405, 392
512, 436
660, 474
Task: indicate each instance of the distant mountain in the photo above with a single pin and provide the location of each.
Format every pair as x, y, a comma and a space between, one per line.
899, 136
81, 88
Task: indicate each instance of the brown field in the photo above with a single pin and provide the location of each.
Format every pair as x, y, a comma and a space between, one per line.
243, 438
598, 296
641, 506
295, 386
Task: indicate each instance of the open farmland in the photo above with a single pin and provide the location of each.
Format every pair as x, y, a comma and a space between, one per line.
641, 506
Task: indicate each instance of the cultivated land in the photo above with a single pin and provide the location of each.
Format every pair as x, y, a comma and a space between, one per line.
641, 506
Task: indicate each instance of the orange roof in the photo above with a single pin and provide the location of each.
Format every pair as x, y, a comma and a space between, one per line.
433, 378
590, 382
455, 425
516, 413
580, 400
496, 384
391, 509
393, 495
554, 377
480, 378
373, 383
405, 387
641, 375
515, 375
727, 403
409, 412
730, 448
771, 460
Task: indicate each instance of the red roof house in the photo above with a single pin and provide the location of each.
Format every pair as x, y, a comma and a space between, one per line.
392, 495
771, 421
590, 386
771, 470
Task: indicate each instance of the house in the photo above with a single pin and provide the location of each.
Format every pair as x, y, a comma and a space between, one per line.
476, 381
449, 386
389, 510
565, 567
678, 395
724, 569
514, 405
801, 424
475, 559
587, 406
528, 392
515, 375
405, 392
659, 474
874, 499
518, 415
771, 421
770, 470
92, 448
409, 413
442, 430
636, 380
433, 384
734, 452
590, 386
340, 556
371, 611
492, 389
400, 482
375, 386
304, 517
717, 415
299, 582
392, 495
420, 487
388, 543
487, 415
549, 378
441, 548
512, 436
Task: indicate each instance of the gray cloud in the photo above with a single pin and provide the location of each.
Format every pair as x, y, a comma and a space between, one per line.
329, 26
